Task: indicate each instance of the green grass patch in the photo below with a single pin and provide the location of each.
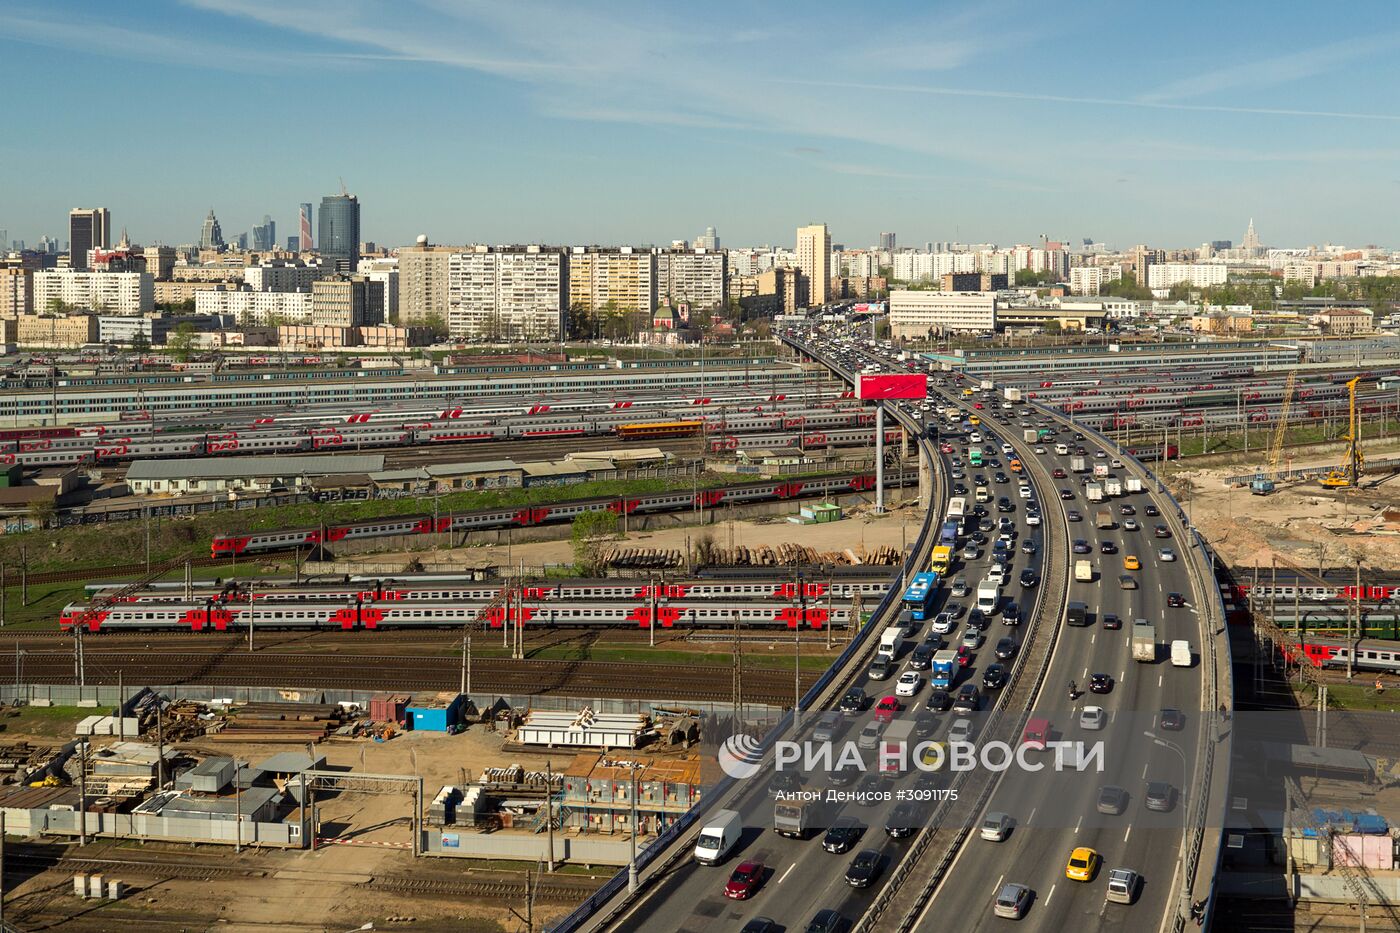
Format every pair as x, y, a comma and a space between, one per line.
643, 654
1360, 695
47, 721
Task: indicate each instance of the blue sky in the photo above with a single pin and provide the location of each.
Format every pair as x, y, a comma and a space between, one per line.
618, 122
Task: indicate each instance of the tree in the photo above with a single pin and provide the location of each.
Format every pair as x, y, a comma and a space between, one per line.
1044, 277
140, 344
42, 511
590, 533
181, 342
1126, 287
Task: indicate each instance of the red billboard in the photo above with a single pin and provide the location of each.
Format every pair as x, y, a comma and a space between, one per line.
903, 385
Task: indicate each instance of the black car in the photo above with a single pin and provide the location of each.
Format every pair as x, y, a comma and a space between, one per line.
1003, 478
827, 921
1161, 531
868, 791
986, 524
968, 699
925, 726
879, 669
1006, 649
979, 511
1004, 505
1066, 494
843, 777
1112, 800
938, 701
921, 657
1074, 516
1100, 683
959, 489
854, 701
761, 925
1011, 614
1126, 510
1028, 578
864, 868
843, 835
1161, 796
1151, 510
906, 817
1111, 621
1081, 546
784, 782
977, 537
1176, 600
1108, 547
1172, 720
994, 677
1029, 546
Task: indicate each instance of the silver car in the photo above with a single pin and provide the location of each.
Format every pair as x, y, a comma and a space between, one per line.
1012, 901
870, 734
995, 827
1123, 885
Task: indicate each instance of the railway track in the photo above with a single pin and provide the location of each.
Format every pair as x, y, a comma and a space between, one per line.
128, 570
528, 677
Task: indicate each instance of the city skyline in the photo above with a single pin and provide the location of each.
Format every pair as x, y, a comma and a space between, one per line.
637, 125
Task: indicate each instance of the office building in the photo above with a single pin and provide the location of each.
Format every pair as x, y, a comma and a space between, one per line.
88, 228
346, 301
283, 276
506, 292
1251, 239
814, 259
110, 292
385, 271
788, 285
424, 272
919, 315
1162, 276
887, 242
211, 235
160, 262
16, 291
56, 331
256, 307
304, 239
265, 235
612, 279
698, 277
708, 240
339, 239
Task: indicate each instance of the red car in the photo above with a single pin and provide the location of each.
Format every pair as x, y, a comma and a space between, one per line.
976, 404
745, 881
946, 448
1059, 473
964, 656
886, 708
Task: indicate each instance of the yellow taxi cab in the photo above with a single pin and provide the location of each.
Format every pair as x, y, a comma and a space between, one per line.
974, 419
931, 756
1015, 466
1130, 562
1083, 863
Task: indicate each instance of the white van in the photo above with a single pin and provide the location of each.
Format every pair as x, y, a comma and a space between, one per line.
1061, 449
1181, 653
719, 835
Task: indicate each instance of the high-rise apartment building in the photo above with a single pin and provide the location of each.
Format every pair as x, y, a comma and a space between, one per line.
211, 235
814, 259
424, 273
887, 242
612, 279
283, 276
265, 235
385, 271
105, 292
697, 277
88, 228
346, 301
16, 291
505, 292
339, 239
305, 240
708, 240
160, 262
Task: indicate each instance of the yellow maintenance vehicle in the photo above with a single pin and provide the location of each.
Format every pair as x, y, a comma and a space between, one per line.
1349, 473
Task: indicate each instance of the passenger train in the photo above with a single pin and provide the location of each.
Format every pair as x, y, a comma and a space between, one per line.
1368, 654
229, 545
215, 616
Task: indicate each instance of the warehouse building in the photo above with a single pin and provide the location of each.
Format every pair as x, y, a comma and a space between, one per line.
244, 474
598, 792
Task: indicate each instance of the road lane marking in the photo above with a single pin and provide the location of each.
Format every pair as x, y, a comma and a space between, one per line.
786, 873
1144, 772
1093, 638
1032, 816
997, 890
1128, 833
1050, 895
1078, 824
1159, 680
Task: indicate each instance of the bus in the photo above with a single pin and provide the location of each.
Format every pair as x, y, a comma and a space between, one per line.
942, 558
974, 456
918, 599
957, 509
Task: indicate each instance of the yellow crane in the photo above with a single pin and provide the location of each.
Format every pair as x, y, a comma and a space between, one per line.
1265, 480
1349, 473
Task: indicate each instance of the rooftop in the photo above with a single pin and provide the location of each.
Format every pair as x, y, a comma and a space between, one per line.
599, 766
290, 763
233, 467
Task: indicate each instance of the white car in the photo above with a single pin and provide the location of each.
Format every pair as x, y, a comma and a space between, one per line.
942, 623
1025, 492
1092, 718
1040, 450
908, 684
1166, 555
1130, 525
1032, 518
997, 574
961, 730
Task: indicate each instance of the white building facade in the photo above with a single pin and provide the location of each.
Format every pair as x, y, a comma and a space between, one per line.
257, 308
916, 314
106, 292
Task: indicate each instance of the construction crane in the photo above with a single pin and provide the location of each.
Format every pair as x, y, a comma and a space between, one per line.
1349, 473
1265, 482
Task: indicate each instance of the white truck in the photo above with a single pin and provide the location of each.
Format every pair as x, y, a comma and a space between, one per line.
896, 734
1076, 464
1093, 492
988, 595
1144, 641
1083, 571
891, 640
1030, 435
987, 385
1010, 394
718, 837
1132, 484
1100, 470
1112, 486
1181, 653
791, 818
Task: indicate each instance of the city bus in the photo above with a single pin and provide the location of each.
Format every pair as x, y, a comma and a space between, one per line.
918, 599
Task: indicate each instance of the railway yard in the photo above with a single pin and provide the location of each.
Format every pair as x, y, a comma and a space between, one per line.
396, 705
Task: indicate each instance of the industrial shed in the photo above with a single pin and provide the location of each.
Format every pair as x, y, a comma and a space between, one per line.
585, 729
252, 474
